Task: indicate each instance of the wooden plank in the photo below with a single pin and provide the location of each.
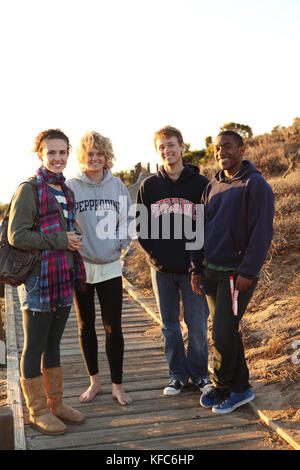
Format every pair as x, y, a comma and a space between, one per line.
155, 384
139, 355
103, 405
209, 433
130, 339
133, 380
146, 363
134, 347
249, 441
143, 302
14, 395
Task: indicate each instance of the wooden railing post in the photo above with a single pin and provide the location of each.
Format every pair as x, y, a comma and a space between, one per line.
6, 428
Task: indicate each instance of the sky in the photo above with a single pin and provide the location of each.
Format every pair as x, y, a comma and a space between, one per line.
125, 68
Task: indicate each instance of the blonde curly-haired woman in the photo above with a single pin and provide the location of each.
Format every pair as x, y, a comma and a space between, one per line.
102, 203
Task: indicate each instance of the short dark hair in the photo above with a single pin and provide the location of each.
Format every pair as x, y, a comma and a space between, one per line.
166, 132
235, 135
47, 135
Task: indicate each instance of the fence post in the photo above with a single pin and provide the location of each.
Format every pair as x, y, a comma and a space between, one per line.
6, 428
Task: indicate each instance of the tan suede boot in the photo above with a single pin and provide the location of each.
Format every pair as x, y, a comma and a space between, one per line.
40, 416
54, 391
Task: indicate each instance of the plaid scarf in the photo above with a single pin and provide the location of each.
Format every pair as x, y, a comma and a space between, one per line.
55, 283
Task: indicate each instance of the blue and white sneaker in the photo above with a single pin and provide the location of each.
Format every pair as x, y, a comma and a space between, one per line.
233, 401
212, 396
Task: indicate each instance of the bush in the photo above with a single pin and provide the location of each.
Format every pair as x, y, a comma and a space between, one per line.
3, 209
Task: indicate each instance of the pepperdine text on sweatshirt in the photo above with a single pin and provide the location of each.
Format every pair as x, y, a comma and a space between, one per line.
238, 227
171, 206
102, 215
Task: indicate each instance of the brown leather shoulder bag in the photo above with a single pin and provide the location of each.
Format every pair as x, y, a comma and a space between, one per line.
16, 264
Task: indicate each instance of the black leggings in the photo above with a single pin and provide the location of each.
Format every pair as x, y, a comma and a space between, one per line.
110, 298
42, 336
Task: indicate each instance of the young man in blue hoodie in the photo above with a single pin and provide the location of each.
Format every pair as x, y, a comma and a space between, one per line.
239, 210
171, 199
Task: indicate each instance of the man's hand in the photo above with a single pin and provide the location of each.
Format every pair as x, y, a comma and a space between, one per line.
242, 283
196, 283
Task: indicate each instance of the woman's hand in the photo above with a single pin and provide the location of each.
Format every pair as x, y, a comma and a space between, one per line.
74, 241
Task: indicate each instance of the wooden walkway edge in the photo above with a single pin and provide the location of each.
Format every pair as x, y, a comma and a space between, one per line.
153, 421
14, 393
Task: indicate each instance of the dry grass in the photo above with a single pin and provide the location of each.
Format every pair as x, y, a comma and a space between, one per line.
274, 153
280, 272
286, 374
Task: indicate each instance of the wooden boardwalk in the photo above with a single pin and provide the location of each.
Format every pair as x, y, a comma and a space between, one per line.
152, 421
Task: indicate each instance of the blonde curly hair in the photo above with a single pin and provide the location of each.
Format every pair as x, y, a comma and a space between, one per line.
93, 139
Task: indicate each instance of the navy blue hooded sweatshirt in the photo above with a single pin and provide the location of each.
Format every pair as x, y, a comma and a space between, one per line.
239, 215
170, 200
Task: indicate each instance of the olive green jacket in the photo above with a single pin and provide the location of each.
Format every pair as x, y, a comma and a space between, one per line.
21, 234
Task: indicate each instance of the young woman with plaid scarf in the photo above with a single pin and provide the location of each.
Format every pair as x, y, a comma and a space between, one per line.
47, 294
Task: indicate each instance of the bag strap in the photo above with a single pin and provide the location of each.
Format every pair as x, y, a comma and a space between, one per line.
36, 220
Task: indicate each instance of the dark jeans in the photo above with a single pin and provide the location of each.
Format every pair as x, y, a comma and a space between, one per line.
42, 336
110, 297
192, 363
230, 368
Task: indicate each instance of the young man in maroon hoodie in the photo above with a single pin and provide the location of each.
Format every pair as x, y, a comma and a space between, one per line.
171, 198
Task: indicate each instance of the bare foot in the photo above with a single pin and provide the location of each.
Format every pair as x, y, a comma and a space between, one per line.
91, 392
119, 394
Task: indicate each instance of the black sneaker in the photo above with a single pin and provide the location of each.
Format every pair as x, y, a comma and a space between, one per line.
203, 385
174, 387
